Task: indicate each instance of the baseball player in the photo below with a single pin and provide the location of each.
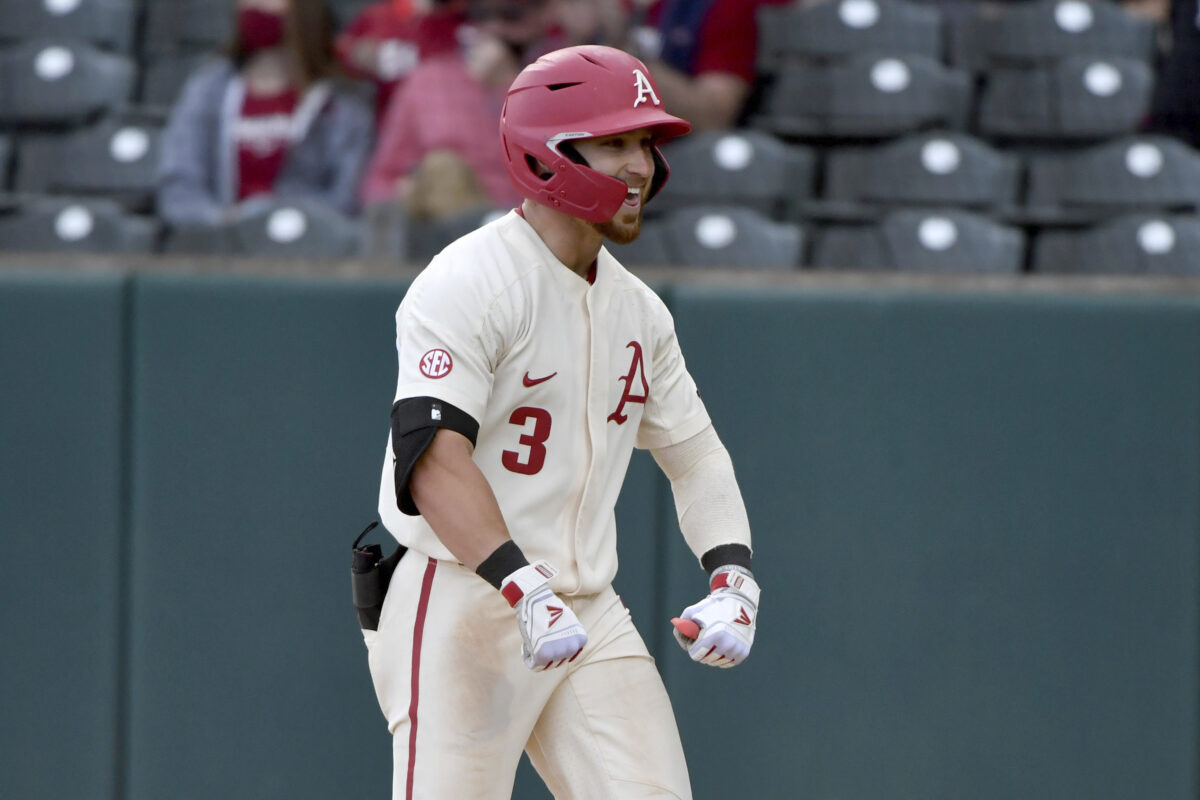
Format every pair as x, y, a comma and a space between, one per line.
531, 364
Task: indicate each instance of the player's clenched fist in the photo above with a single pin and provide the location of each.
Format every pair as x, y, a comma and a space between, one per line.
550, 633
719, 630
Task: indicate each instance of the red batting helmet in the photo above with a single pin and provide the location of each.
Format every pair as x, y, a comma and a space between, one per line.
580, 93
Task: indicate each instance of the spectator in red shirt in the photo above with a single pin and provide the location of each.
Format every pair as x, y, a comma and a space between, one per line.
702, 54
387, 40
449, 108
265, 121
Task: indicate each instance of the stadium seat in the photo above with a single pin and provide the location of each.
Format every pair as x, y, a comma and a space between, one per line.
746, 168
164, 75
187, 25
866, 97
1042, 32
49, 81
106, 23
730, 236
651, 248
199, 239
1079, 98
6, 148
926, 169
930, 241
845, 28
294, 229
1140, 172
1137, 244
71, 225
117, 158
424, 239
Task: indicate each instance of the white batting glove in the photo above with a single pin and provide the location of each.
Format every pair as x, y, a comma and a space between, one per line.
719, 630
550, 632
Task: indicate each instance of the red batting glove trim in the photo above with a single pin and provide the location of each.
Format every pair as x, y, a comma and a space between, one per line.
512, 593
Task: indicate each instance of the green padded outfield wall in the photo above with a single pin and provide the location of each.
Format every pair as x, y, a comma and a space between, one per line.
62, 384
260, 414
977, 534
977, 520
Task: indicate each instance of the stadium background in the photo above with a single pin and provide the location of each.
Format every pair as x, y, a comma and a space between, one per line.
976, 497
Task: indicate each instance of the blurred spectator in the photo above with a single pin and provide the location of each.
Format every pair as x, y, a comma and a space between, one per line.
1176, 107
387, 40
449, 108
265, 120
702, 54
593, 22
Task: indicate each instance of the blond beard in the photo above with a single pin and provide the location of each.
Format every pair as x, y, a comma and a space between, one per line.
620, 232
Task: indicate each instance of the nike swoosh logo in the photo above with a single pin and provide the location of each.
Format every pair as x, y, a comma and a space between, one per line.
528, 381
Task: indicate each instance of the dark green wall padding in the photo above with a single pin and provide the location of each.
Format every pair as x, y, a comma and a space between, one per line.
977, 522
62, 470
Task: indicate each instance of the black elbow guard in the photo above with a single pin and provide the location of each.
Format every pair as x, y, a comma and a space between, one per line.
415, 421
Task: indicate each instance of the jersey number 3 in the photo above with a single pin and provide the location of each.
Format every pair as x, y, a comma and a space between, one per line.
535, 456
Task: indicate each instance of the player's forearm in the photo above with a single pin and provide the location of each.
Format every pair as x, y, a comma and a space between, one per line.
457, 501
707, 498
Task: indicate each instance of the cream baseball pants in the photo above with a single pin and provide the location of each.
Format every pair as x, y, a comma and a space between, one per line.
461, 705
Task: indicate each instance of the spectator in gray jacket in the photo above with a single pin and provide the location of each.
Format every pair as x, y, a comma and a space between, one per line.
265, 121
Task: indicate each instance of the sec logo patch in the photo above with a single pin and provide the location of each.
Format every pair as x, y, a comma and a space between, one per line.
436, 363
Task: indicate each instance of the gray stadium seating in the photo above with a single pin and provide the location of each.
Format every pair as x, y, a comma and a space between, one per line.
421, 240
105, 23
732, 236
58, 81
117, 158
651, 248
930, 241
745, 167
164, 74
933, 168
1079, 98
1141, 172
291, 229
1136, 244
198, 240
845, 28
866, 97
1042, 32
6, 148
70, 225
277, 229
175, 25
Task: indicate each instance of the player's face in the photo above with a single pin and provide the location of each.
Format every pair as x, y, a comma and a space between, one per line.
628, 157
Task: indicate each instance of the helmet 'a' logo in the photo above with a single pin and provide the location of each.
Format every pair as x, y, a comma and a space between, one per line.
436, 363
645, 92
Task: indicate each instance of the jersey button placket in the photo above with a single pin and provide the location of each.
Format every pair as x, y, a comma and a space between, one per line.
597, 441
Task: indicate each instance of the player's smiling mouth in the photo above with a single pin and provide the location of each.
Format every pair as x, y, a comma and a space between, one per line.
633, 196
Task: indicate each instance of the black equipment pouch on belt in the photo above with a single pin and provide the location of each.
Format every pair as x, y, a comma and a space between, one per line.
370, 574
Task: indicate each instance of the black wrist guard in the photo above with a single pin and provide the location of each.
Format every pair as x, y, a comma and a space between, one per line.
504, 561
736, 554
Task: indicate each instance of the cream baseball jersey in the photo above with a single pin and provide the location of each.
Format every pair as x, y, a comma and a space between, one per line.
564, 377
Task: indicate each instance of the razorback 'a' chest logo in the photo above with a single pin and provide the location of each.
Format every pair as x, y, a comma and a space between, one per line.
634, 380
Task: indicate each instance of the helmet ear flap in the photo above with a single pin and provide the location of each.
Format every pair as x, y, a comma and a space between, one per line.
661, 172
